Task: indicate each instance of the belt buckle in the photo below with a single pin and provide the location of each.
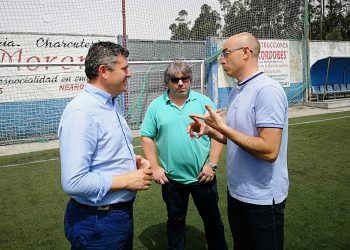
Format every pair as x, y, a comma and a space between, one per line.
103, 208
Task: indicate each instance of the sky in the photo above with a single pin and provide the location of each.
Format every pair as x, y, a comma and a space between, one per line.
145, 19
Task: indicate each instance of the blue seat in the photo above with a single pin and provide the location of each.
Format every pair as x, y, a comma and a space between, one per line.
343, 88
337, 90
322, 90
316, 91
330, 90
325, 92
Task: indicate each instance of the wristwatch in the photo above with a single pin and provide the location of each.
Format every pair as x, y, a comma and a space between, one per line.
213, 165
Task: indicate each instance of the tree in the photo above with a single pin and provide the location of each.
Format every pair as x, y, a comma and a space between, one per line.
345, 27
207, 24
181, 31
225, 6
329, 20
332, 21
293, 15
236, 14
334, 34
278, 19
315, 19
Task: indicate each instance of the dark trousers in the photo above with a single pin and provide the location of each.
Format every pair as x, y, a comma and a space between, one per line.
256, 226
205, 197
88, 229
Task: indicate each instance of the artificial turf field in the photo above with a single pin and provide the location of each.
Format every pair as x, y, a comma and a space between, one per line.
317, 214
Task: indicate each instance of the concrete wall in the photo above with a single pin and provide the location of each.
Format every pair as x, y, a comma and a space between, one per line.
323, 49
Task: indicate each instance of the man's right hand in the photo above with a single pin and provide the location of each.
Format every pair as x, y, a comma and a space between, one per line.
211, 118
140, 179
196, 129
159, 175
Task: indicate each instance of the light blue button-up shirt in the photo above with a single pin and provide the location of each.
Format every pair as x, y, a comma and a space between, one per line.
95, 144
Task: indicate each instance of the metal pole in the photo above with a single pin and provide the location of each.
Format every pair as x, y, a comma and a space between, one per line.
322, 17
326, 80
126, 95
124, 23
306, 61
202, 77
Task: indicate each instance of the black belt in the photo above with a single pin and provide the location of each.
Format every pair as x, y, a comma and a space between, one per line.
114, 206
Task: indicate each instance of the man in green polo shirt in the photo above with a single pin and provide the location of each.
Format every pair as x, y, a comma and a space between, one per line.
181, 165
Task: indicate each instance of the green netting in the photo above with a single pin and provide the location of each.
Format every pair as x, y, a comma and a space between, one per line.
135, 111
40, 32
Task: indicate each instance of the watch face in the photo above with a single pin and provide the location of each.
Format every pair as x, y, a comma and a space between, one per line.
212, 165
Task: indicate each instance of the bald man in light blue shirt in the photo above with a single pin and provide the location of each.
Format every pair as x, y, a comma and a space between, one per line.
256, 134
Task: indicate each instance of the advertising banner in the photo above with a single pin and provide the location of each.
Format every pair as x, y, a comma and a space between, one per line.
274, 60
38, 81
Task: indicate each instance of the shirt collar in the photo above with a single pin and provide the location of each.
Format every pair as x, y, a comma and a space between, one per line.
191, 96
245, 82
100, 94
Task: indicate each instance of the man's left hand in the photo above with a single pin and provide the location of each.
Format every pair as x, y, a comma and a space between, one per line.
206, 175
142, 162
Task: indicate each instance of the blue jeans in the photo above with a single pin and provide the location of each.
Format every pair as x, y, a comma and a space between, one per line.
205, 197
257, 227
89, 229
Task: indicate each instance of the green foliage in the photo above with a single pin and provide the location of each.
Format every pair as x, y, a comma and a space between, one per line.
237, 12
264, 18
317, 210
181, 30
267, 19
206, 25
334, 34
329, 20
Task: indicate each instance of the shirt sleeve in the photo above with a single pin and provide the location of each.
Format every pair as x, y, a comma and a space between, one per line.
78, 139
149, 124
271, 108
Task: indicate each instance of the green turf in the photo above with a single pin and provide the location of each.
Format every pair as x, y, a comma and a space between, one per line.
317, 211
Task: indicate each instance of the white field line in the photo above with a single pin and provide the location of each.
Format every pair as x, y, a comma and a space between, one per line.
39, 161
138, 146
26, 163
323, 120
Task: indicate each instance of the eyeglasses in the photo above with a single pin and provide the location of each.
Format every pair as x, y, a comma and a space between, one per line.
177, 79
226, 52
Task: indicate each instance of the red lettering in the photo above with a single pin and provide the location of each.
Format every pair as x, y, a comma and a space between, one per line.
18, 57
64, 58
81, 59
273, 55
71, 86
30, 59
48, 59
5, 53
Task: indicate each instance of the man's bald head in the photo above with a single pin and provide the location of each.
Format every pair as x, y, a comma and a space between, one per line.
240, 56
245, 39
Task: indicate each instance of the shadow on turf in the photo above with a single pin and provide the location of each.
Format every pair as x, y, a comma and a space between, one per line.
154, 237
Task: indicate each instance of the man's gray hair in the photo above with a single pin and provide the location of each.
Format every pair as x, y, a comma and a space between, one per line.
176, 67
102, 53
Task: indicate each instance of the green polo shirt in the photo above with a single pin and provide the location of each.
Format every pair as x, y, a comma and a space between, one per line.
180, 156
